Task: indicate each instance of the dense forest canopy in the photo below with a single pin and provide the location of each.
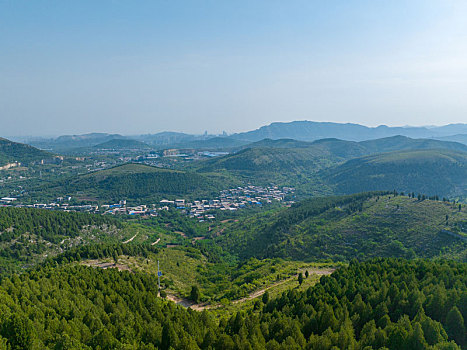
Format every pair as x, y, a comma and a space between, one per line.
28, 235
355, 226
134, 182
380, 303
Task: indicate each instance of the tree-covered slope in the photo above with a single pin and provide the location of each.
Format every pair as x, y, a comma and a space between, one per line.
434, 172
280, 160
355, 226
28, 236
135, 182
296, 163
17, 152
400, 143
391, 304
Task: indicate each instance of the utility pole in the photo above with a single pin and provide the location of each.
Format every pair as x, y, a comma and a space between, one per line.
159, 273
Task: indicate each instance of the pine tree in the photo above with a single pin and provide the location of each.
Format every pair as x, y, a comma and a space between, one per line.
300, 278
455, 326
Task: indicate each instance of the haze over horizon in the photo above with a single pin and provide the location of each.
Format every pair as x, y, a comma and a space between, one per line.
37, 136
117, 67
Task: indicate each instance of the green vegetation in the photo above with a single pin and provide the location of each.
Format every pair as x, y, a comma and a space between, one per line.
134, 182
381, 303
17, 152
27, 236
331, 166
354, 226
434, 172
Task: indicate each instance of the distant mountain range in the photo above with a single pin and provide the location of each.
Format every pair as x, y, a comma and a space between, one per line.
310, 131
324, 166
297, 130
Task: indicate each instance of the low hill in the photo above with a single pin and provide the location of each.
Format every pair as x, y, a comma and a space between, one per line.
355, 226
134, 182
432, 172
69, 142
284, 166
122, 144
281, 160
399, 143
18, 152
28, 236
296, 163
461, 138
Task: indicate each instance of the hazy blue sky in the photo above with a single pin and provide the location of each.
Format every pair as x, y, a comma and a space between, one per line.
148, 66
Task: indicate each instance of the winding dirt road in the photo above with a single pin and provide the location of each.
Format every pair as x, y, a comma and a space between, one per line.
204, 306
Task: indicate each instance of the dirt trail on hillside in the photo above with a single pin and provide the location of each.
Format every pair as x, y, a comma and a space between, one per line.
106, 265
317, 272
129, 240
204, 306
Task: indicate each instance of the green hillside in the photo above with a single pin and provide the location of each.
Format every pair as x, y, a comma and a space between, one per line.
17, 152
28, 236
296, 163
381, 304
278, 160
356, 226
134, 182
433, 172
399, 143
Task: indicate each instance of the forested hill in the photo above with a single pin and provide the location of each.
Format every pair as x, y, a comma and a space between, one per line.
17, 152
134, 182
391, 304
355, 226
28, 236
272, 160
434, 172
335, 166
68, 142
287, 155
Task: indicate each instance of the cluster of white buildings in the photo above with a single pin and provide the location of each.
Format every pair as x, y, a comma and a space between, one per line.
231, 200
